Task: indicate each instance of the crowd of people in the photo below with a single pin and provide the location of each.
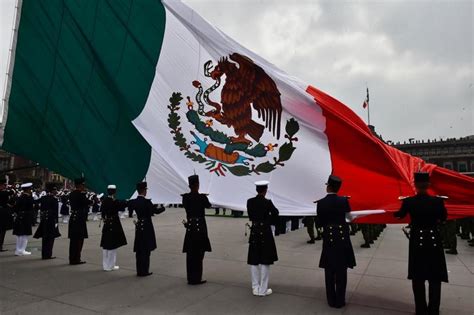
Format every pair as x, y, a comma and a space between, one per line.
429, 233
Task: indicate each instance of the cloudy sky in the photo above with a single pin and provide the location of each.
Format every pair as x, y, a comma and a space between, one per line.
415, 56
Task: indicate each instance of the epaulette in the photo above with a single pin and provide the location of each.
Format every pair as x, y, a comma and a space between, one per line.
347, 197
442, 197
403, 197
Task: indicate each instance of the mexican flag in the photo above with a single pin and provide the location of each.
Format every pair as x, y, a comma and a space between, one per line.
125, 91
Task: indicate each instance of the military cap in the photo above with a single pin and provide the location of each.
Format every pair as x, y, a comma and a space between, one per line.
334, 181
193, 180
79, 181
141, 185
26, 185
422, 177
262, 183
50, 186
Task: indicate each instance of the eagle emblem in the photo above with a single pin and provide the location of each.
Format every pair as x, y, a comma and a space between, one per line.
247, 89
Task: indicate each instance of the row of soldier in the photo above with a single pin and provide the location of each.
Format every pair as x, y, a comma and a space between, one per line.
426, 255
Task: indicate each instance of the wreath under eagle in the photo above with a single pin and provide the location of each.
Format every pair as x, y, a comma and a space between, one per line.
246, 86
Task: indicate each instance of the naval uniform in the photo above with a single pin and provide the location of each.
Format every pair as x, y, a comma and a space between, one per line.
113, 236
6, 218
145, 240
77, 224
196, 240
23, 222
48, 227
262, 249
337, 254
426, 261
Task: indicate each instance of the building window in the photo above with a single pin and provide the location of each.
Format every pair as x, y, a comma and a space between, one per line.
448, 165
462, 167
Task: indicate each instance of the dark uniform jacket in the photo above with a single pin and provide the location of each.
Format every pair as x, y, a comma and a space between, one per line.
48, 227
262, 248
79, 212
112, 232
337, 250
6, 217
196, 238
426, 259
145, 239
24, 215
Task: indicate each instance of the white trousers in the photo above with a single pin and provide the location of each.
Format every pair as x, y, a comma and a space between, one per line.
109, 258
21, 243
260, 275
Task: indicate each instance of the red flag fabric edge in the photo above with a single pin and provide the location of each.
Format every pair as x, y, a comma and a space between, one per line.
376, 174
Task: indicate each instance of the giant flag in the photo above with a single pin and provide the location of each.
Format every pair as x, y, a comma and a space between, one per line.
124, 91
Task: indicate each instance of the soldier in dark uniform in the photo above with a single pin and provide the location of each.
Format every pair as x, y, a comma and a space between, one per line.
64, 211
196, 241
113, 236
48, 227
426, 260
262, 249
145, 240
23, 219
6, 218
78, 221
365, 230
337, 254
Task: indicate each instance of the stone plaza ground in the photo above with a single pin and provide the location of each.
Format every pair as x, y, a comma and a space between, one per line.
378, 285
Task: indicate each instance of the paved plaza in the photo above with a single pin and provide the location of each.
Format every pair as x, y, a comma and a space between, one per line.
378, 285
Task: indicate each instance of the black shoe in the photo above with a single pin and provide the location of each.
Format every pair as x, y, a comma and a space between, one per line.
77, 263
371, 242
145, 274
365, 245
311, 242
471, 244
340, 305
471, 241
452, 252
3, 250
197, 283
318, 238
47, 258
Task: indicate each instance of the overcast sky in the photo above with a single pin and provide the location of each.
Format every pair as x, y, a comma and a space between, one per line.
415, 56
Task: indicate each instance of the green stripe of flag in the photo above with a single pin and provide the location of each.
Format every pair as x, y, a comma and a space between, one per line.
82, 72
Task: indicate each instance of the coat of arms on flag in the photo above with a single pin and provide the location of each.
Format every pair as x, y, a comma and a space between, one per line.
246, 87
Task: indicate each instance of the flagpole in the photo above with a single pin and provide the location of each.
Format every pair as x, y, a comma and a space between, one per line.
368, 106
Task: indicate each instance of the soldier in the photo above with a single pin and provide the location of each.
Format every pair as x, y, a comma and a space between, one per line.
64, 210
6, 218
365, 230
426, 260
48, 227
23, 220
145, 240
310, 223
448, 230
337, 254
262, 249
196, 241
78, 221
113, 236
